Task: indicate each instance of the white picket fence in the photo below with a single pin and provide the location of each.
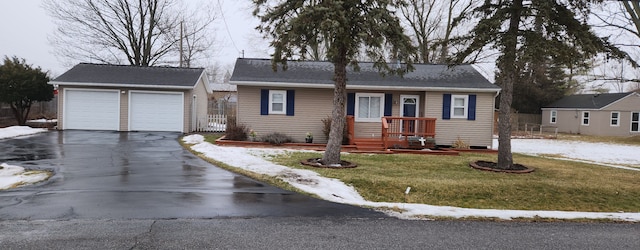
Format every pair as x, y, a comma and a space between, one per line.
212, 123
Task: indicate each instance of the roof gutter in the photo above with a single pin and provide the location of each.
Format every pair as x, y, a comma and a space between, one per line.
118, 85
361, 87
571, 109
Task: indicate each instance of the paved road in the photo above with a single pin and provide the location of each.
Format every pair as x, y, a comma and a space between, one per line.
143, 191
113, 175
313, 233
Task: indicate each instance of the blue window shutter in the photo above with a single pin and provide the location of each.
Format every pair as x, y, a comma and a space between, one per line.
446, 106
351, 103
290, 102
264, 102
388, 104
472, 108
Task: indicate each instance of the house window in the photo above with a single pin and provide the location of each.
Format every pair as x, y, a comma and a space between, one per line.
635, 121
615, 119
277, 102
369, 107
554, 116
459, 106
585, 118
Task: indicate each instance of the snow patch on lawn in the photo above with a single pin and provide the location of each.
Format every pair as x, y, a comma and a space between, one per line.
10, 175
601, 153
15, 131
42, 120
253, 159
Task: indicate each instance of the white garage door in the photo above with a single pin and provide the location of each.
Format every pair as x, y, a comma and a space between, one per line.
91, 109
155, 111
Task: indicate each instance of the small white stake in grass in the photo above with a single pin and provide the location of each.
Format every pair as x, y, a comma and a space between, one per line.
406, 192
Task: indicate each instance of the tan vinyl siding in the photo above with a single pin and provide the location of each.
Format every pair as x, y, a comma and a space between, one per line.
570, 121
567, 121
202, 99
60, 107
475, 133
124, 110
186, 113
311, 106
318, 102
628, 103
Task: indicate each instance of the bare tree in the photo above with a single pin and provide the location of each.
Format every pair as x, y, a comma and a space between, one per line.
432, 22
456, 10
194, 41
139, 32
620, 20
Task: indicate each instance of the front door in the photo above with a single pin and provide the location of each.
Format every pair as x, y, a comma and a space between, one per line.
409, 108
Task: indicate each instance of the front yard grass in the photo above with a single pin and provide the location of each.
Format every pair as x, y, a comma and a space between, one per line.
449, 181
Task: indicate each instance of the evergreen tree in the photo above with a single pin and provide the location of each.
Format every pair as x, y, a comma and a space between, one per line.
344, 27
21, 85
553, 30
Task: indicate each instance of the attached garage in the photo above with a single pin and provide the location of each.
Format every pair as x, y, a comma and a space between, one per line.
131, 98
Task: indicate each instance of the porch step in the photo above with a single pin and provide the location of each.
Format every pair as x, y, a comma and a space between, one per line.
369, 144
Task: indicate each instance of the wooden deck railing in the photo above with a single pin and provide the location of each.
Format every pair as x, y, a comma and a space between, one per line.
396, 129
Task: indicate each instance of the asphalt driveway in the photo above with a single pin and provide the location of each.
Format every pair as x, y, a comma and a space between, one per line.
140, 175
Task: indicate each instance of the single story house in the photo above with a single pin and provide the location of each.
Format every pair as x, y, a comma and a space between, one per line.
611, 114
131, 98
294, 101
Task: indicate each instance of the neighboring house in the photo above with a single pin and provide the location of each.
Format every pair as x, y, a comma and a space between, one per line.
294, 101
224, 98
613, 114
131, 98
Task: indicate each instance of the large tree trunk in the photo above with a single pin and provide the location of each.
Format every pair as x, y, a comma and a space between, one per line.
509, 71
338, 116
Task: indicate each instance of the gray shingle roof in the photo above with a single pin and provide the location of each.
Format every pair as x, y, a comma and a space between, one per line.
321, 73
587, 101
102, 74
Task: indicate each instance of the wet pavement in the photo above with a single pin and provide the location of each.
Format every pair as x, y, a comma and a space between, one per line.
141, 175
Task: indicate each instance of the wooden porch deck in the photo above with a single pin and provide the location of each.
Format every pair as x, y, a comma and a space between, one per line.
397, 133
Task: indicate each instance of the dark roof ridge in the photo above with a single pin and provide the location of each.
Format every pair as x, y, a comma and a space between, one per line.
91, 74
598, 94
368, 62
140, 66
588, 101
320, 74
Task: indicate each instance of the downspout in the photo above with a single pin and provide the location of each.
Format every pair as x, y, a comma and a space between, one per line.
493, 117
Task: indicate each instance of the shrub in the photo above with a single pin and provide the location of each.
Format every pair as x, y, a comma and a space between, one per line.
326, 129
276, 138
460, 144
236, 132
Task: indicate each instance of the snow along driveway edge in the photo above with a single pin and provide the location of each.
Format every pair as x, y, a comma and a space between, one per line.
255, 160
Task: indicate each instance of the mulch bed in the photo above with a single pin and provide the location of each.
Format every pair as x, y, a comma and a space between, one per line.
492, 166
317, 163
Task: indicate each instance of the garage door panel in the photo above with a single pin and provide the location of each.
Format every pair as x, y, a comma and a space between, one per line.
91, 110
151, 111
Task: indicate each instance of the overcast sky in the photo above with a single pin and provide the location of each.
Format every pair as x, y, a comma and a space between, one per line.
25, 26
